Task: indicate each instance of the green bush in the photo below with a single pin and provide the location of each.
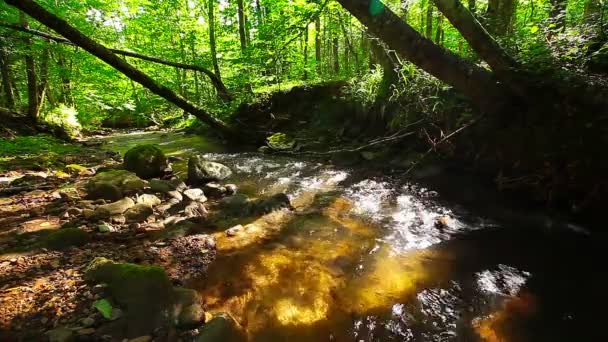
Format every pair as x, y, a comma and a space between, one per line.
63, 117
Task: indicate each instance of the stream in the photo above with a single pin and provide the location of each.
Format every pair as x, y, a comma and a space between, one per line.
362, 257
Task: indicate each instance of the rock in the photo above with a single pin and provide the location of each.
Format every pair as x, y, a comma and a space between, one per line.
201, 171
86, 331
188, 308
114, 185
73, 211
180, 228
231, 189
105, 228
442, 222
275, 202
75, 169
176, 194
60, 334
88, 321
114, 208
234, 230
28, 180
280, 142
148, 199
221, 328
139, 213
264, 149
145, 291
65, 238
164, 186
214, 189
195, 209
88, 212
118, 219
238, 205
195, 195
367, 155
147, 161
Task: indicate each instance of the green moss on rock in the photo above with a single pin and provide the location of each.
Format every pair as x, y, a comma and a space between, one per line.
65, 238
147, 161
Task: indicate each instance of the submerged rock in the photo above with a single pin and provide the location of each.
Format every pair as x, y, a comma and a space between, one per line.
275, 202
114, 185
147, 161
201, 171
238, 205
221, 328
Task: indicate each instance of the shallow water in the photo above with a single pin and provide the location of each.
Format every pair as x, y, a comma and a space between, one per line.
361, 258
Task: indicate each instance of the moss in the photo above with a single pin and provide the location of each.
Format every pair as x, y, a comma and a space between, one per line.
145, 292
65, 238
147, 161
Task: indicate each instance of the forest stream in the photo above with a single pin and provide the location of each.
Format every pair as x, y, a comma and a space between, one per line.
365, 256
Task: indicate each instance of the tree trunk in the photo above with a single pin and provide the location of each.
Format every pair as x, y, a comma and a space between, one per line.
349, 44
62, 27
336, 52
66, 85
429, 20
216, 67
592, 12
318, 44
241, 15
477, 37
222, 91
439, 29
32, 80
469, 79
499, 16
306, 53
473, 7
5, 74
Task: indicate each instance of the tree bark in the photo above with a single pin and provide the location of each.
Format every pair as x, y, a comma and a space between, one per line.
336, 52
222, 91
66, 85
477, 37
471, 80
306, 53
318, 44
429, 20
216, 66
241, 17
5, 74
349, 43
62, 27
32, 80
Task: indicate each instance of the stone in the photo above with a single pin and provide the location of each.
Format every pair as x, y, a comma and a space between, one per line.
88, 321
234, 230
280, 142
238, 205
118, 219
86, 331
105, 228
144, 338
65, 238
275, 202
195, 194
60, 334
28, 180
73, 211
188, 308
195, 209
222, 327
139, 213
231, 189
75, 169
214, 189
148, 199
147, 161
176, 194
164, 186
201, 171
114, 208
114, 185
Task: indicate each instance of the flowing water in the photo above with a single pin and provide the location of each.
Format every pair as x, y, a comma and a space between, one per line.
362, 258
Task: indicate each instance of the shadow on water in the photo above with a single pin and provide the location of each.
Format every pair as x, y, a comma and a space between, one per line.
363, 258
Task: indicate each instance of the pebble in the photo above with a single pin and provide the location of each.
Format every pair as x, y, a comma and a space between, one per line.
88, 322
234, 230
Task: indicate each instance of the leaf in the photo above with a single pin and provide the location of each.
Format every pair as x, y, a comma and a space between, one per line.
534, 29
104, 307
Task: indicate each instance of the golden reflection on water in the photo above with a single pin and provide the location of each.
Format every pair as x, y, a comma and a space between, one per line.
310, 266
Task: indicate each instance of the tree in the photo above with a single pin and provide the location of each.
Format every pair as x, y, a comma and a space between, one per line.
211, 10
62, 27
5, 75
241, 17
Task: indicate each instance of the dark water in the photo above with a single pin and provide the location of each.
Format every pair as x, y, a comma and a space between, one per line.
362, 258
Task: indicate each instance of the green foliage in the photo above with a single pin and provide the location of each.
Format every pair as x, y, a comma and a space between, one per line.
29, 146
63, 117
104, 307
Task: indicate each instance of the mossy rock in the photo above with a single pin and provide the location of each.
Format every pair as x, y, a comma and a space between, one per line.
66, 238
145, 292
75, 169
221, 328
114, 184
147, 161
280, 142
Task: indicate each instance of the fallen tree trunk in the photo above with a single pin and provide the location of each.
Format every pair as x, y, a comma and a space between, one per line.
62, 27
222, 91
473, 81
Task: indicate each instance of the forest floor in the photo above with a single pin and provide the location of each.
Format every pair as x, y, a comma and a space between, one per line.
42, 287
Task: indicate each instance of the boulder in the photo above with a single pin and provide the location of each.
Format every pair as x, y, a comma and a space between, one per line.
114, 185
147, 161
231, 189
238, 205
195, 209
148, 199
139, 213
188, 308
164, 186
114, 208
221, 328
145, 292
201, 171
275, 202
196, 195
60, 334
